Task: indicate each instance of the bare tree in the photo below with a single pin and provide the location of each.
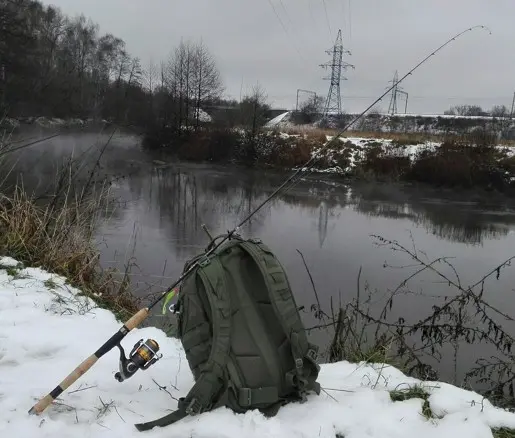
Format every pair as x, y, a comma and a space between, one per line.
465, 110
310, 110
253, 109
151, 78
192, 78
207, 81
499, 111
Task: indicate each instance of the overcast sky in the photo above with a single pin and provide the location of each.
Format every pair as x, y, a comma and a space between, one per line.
250, 44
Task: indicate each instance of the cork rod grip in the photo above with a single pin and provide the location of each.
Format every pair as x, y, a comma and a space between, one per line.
40, 406
137, 319
131, 324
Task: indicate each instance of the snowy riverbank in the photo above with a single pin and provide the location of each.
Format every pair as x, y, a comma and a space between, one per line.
46, 330
353, 151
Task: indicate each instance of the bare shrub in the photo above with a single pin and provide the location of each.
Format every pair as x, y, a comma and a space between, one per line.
463, 316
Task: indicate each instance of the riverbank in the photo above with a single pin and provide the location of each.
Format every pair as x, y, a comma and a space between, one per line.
471, 161
59, 236
42, 317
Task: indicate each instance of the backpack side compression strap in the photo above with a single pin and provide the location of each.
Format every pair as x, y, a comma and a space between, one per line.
212, 380
285, 307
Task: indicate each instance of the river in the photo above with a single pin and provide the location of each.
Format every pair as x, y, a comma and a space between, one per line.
156, 227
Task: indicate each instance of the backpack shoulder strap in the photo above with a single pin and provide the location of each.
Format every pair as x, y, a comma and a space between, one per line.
212, 380
283, 302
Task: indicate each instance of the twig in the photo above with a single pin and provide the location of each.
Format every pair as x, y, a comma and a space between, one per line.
340, 390
329, 395
116, 409
320, 313
105, 407
166, 390
82, 389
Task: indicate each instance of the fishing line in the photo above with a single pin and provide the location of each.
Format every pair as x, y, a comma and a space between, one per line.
143, 354
17, 148
285, 30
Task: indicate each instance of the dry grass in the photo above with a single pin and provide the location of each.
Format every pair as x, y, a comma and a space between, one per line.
59, 237
406, 138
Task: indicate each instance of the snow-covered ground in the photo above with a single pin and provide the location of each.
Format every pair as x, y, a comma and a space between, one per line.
355, 148
46, 330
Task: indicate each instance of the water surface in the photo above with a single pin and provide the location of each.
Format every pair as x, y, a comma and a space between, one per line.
156, 228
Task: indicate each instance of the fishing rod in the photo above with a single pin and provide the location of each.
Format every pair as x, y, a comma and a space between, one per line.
17, 148
146, 353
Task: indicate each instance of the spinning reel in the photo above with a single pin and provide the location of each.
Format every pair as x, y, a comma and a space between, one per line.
142, 356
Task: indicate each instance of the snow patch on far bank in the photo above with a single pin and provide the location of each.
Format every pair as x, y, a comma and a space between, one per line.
279, 120
355, 148
46, 329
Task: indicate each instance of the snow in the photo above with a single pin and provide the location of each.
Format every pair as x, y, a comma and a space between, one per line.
277, 120
355, 148
447, 116
46, 329
203, 116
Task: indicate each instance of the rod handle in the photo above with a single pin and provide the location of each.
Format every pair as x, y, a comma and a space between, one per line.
131, 324
137, 319
46, 401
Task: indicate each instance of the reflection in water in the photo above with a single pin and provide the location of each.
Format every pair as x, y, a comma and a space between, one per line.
450, 222
185, 197
322, 223
181, 198
184, 200
161, 210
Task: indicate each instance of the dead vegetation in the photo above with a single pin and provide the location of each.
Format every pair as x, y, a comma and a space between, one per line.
370, 329
57, 233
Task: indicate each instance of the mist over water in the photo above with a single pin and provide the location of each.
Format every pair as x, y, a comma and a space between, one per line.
156, 227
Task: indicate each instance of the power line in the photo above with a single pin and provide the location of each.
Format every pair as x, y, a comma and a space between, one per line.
278, 17
311, 13
286, 12
344, 18
284, 28
327, 19
350, 20
301, 36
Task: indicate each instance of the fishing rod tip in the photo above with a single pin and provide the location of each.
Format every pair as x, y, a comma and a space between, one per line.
486, 28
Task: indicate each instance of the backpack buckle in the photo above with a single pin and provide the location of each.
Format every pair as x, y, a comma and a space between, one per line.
245, 397
194, 407
312, 354
299, 364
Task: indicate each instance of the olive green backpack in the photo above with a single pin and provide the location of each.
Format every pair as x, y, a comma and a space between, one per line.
242, 334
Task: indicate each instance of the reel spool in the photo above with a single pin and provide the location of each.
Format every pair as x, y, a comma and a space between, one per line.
141, 357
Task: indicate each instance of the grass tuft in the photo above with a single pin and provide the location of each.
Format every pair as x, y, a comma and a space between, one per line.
50, 284
11, 271
503, 433
415, 391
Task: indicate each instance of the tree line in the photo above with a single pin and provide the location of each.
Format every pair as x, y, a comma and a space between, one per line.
54, 65
476, 110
